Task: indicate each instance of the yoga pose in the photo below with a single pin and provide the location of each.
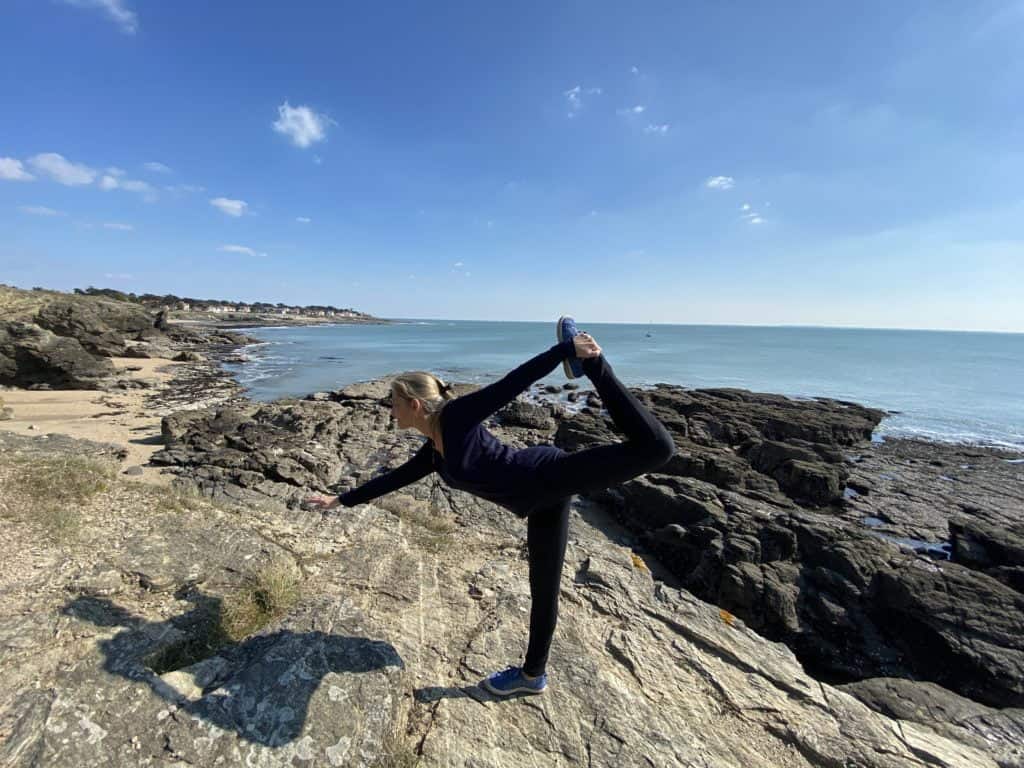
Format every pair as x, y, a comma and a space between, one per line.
536, 483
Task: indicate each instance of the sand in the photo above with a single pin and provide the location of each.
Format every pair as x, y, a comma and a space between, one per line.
118, 417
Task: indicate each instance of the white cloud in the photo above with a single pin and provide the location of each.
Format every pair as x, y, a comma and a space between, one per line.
230, 207
638, 109
184, 188
118, 276
109, 182
118, 226
12, 170
156, 167
457, 264
301, 124
242, 249
40, 210
303, 219
575, 97
659, 129
755, 219
745, 207
720, 182
635, 70
127, 20
62, 170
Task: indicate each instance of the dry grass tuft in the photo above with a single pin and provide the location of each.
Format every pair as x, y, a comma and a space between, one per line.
50, 491
268, 594
426, 527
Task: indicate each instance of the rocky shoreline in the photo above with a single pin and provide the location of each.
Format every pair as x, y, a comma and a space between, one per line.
893, 571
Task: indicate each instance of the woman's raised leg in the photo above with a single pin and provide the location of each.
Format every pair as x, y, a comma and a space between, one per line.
647, 446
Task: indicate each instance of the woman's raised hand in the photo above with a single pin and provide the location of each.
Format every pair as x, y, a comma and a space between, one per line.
585, 345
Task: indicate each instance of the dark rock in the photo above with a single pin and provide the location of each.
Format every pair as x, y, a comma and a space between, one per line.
522, 414
100, 326
30, 355
188, 356
979, 544
963, 629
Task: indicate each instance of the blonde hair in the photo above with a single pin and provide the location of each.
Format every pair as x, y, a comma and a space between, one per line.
425, 387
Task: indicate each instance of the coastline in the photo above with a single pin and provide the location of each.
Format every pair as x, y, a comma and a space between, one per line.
258, 458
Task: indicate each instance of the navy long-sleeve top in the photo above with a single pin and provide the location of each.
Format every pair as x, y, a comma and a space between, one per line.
474, 460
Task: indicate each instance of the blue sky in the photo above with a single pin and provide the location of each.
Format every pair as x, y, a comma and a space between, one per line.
816, 163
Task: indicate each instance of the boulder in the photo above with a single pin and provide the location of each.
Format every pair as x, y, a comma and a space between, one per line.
522, 414
31, 355
100, 326
961, 628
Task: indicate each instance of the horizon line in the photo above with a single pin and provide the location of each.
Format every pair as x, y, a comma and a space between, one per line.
729, 325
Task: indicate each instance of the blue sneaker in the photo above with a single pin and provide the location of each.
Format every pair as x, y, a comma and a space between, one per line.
566, 329
512, 680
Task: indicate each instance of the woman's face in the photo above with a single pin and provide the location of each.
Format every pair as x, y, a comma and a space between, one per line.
402, 410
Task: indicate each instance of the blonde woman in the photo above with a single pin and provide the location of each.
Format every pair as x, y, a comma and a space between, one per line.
536, 483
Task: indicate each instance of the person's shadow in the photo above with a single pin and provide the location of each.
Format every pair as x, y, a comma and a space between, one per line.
259, 688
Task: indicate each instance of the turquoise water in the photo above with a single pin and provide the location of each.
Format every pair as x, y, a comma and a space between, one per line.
945, 385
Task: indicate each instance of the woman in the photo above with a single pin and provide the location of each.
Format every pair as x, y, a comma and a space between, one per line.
536, 483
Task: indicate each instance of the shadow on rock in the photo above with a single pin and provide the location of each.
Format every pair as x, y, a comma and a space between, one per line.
259, 688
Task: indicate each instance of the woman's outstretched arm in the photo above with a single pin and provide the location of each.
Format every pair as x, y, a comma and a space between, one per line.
477, 406
416, 468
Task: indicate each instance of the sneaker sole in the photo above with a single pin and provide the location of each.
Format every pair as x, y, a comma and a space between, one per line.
569, 373
521, 689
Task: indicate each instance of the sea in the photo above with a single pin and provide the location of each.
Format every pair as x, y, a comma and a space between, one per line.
962, 387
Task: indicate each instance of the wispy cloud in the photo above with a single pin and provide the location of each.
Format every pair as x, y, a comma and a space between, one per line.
127, 20
179, 189
661, 129
636, 110
303, 219
62, 170
156, 167
635, 70
118, 276
751, 216
242, 249
40, 210
118, 226
720, 182
113, 179
301, 124
12, 170
575, 97
231, 207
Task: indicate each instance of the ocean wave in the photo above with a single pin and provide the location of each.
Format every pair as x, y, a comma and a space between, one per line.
956, 437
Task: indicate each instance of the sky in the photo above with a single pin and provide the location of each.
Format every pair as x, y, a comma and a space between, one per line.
789, 163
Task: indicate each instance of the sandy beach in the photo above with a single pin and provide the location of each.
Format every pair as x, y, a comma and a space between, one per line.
119, 417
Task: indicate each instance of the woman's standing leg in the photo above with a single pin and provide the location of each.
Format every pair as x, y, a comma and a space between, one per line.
546, 535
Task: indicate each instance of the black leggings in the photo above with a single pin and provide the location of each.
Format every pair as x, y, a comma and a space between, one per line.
647, 446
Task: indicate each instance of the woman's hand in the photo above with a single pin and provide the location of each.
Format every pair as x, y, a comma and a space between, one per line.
585, 345
320, 501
